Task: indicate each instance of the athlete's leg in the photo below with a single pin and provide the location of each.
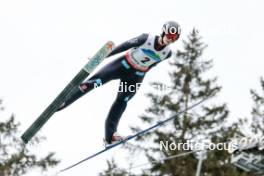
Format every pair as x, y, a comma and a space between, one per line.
109, 72
127, 90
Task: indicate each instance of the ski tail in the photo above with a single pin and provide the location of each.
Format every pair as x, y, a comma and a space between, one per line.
77, 80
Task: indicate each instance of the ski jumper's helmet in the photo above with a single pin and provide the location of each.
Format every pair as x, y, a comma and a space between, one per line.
172, 30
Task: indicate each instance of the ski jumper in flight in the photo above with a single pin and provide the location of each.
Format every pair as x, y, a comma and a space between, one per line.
142, 54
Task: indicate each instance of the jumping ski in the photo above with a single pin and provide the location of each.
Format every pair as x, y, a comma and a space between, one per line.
78, 79
141, 133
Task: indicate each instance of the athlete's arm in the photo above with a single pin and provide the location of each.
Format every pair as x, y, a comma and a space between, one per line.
135, 42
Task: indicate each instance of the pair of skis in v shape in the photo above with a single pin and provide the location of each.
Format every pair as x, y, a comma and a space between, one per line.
77, 80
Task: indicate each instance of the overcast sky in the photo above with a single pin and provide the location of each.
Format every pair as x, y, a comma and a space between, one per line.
43, 44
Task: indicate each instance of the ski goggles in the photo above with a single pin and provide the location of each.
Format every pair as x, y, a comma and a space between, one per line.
172, 37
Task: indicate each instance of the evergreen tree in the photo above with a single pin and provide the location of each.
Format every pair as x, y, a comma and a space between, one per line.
256, 126
257, 113
15, 158
204, 123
